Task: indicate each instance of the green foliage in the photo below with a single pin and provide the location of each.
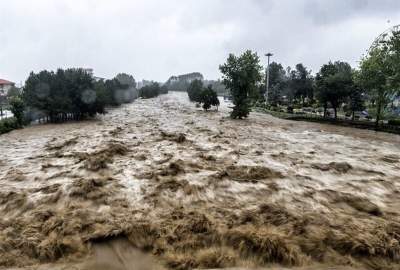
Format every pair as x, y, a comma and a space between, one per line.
8, 124
334, 84
356, 101
194, 91
278, 82
114, 93
380, 73
63, 94
126, 79
17, 108
150, 91
14, 92
394, 122
301, 83
164, 89
242, 75
208, 97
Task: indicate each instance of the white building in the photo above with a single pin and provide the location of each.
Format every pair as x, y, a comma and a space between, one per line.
5, 86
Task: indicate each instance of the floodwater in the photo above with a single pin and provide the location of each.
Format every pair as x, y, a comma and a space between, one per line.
160, 184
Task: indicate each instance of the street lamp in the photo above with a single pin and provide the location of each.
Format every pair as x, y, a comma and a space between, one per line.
267, 79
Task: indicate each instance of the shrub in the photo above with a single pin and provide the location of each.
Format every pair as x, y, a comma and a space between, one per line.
17, 108
8, 124
208, 97
394, 122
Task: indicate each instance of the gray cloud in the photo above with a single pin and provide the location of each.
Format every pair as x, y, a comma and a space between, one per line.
155, 39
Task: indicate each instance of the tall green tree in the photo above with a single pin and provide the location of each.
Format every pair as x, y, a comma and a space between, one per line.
242, 75
380, 73
63, 94
278, 83
301, 83
334, 82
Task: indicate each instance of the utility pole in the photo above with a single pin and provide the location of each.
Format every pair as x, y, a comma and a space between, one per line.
267, 79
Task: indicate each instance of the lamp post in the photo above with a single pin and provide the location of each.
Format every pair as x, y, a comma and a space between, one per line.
267, 79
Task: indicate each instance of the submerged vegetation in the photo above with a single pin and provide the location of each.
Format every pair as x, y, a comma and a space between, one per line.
205, 96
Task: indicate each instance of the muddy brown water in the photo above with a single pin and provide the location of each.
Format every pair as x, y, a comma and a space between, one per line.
159, 184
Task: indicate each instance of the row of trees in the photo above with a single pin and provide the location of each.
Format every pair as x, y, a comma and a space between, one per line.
205, 96
336, 84
74, 94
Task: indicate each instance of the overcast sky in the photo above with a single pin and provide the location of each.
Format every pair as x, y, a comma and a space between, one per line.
156, 39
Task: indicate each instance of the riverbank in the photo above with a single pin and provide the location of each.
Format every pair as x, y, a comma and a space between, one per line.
194, 189
339, 122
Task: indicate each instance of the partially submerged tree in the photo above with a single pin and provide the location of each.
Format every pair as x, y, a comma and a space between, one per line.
208, 98
150, 91
241, 75
194, 90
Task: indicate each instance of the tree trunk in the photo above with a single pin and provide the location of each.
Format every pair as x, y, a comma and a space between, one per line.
353, 116
378, 114
325, 109
335, 109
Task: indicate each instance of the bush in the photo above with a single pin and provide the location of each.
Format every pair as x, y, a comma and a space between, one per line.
8, 124
208, 97
394, 122
150, 91
17, 108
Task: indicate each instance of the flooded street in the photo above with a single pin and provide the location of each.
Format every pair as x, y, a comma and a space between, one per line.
186, 189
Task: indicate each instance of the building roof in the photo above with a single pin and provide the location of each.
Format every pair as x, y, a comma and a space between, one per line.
5, 82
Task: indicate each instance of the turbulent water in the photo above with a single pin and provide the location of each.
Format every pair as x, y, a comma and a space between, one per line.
159, 183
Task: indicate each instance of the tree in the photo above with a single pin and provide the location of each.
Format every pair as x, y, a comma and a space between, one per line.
356, 101
164, 89
277, 82
62, 95
380, 73
208, 98
241, 75
334, 83
17, 109
194, 90
13, 92
126, 79
301, 83
150, 91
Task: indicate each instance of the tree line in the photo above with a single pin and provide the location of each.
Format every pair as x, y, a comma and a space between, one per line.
336, 85
73, 94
